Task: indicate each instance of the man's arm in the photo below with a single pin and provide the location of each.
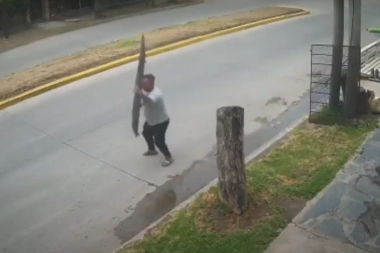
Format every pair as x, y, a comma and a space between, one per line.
146, 99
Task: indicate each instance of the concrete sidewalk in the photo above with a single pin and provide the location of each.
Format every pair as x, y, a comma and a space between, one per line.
297, 240
345, 217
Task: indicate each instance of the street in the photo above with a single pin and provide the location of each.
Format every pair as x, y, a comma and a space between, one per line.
72, 42
72, 174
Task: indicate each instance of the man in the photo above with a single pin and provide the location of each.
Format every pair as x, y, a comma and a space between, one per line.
156, 118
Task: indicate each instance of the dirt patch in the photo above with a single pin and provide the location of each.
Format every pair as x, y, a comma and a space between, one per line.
261, 120
54, 70
159, 229
276, 100
215, 217
291, 207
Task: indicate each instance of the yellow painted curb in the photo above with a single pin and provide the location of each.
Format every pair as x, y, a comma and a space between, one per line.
117, 63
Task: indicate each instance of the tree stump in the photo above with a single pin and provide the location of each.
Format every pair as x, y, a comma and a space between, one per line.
230, 158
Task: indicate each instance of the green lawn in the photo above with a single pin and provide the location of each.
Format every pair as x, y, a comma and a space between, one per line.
279, 186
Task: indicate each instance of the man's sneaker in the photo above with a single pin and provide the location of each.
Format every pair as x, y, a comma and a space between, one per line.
167, 162
150, 153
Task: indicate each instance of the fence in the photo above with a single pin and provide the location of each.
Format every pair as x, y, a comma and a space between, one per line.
370, 52
320, 78
370, 60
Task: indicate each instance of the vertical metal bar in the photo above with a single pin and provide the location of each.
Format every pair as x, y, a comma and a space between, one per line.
311, 80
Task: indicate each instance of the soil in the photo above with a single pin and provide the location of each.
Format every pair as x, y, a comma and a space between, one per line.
214, 216
291, 207
47, 72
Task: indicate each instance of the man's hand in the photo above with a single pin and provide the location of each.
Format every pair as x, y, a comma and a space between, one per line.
138, 91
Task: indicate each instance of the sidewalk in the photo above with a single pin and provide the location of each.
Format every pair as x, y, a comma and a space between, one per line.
345, 217
68, 43
297, 240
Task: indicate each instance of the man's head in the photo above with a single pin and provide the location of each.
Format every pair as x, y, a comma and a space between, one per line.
147, 82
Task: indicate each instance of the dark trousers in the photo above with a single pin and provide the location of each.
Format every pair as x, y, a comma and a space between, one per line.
155, 135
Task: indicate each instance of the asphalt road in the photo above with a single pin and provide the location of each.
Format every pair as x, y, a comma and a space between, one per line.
61, 45
68, 43
72, 178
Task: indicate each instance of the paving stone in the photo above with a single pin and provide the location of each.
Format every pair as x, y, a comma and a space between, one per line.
353, 168
366, 168
377, 170
359, 234
351, 209
328, 203
366, 185
376, 136
331, 227
378, 241
366, 247
377, 225
311, 222
373, 142
370, 152
358, 196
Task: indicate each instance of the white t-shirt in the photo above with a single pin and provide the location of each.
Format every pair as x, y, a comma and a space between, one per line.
155, 112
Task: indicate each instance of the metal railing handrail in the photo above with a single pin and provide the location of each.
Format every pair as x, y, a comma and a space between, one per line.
370, 51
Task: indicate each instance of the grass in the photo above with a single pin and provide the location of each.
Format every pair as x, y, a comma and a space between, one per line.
279, 186
20, 82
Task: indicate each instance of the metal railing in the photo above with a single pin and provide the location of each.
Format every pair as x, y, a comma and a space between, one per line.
321, 66
320, 77
370, 52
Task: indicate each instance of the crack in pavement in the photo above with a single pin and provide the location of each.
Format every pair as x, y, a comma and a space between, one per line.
311, 231
81, 151
112, 166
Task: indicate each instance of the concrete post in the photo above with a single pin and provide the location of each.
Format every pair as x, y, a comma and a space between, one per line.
354, 61
337, 53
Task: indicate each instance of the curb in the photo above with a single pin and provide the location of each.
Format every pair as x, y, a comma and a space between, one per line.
66, 80
248, 159
311, 203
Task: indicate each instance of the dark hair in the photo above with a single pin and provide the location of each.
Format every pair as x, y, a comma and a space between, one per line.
150, 77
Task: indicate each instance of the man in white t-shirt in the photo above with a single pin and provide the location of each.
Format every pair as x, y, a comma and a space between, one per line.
156, 118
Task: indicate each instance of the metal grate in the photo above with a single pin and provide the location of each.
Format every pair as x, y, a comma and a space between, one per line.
320, 76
